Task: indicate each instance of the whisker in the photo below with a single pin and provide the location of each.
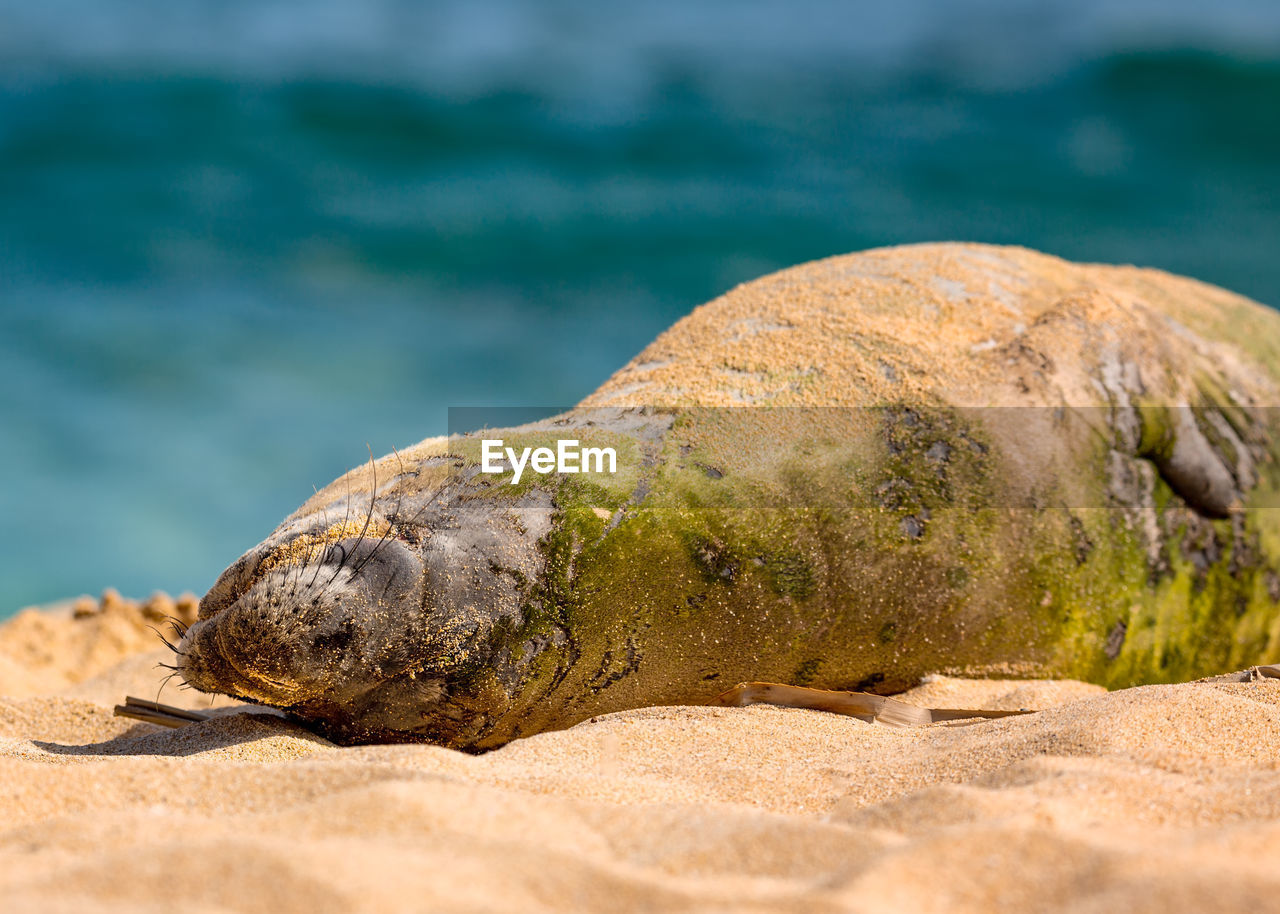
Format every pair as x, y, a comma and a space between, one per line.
346, 516
324, 549
373, 498
373, 495
164, 683
167, 642
391, 527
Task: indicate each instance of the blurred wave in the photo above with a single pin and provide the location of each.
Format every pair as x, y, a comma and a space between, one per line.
238, 242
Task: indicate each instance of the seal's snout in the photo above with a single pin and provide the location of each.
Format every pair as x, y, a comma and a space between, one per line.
311, 616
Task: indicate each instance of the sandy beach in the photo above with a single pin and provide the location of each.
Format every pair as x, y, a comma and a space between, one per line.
527, 388
1162, 798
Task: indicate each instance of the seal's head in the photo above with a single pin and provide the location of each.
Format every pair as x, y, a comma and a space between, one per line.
370, 615
312, 612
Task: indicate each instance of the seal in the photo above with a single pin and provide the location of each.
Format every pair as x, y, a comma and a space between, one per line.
846, 475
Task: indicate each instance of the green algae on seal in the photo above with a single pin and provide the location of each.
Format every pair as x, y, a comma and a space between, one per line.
961, 458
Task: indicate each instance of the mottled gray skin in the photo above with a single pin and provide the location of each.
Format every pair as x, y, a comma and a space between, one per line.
1094, 526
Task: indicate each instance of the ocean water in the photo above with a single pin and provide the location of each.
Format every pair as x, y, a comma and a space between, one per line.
241, 243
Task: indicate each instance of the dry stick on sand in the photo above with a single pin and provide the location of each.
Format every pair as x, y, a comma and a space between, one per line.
155, 713
868, 707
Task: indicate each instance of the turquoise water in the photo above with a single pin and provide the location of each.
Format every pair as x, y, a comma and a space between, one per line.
238, 244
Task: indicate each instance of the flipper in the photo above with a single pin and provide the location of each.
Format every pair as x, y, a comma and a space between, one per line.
895, 713
862, 705
1253, 674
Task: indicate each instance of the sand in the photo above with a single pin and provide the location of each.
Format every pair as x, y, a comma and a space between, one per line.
1162, 798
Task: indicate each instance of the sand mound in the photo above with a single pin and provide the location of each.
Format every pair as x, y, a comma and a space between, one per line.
1164, 798
47, 649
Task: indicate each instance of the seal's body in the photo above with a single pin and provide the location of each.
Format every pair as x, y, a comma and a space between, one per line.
960, 458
